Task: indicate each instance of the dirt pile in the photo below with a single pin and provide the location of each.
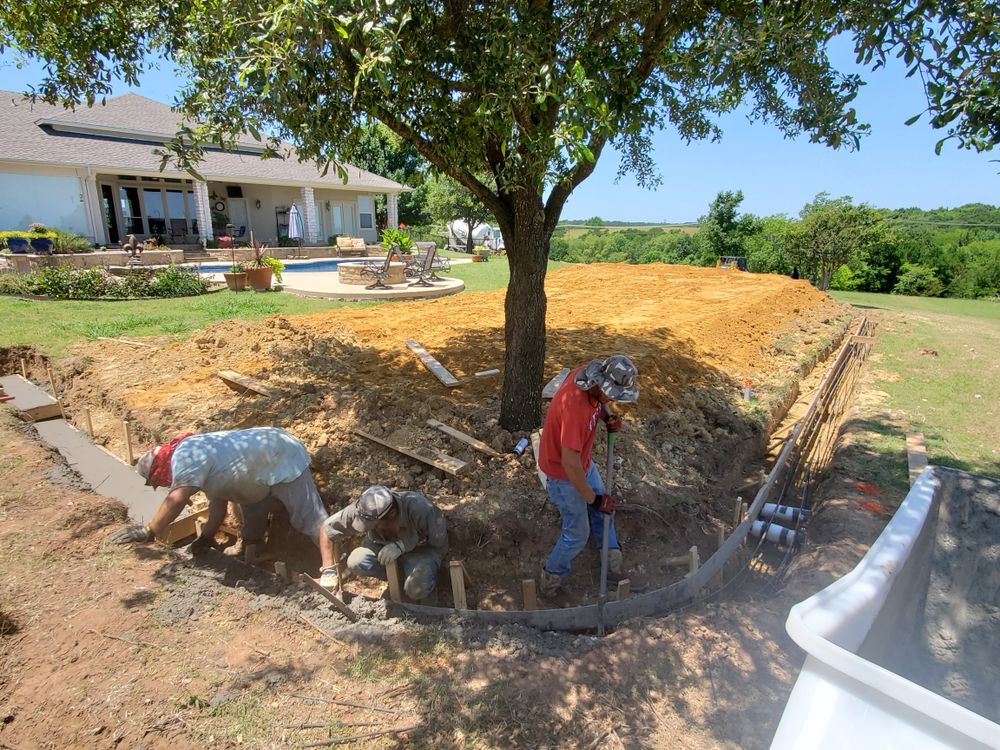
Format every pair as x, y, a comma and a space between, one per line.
695, 334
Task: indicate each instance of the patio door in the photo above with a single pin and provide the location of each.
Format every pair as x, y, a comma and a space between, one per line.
109, 213
239, 217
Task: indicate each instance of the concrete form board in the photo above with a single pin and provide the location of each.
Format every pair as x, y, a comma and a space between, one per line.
33, 403
105, 473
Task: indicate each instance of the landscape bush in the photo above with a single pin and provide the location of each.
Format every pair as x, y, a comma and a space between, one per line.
66, 282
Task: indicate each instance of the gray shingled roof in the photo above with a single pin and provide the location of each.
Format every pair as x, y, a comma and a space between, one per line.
24, 137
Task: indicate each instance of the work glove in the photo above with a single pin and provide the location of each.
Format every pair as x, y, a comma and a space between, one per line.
613, 421
328, 578
136, 533
390, 552
604, 503
202, 544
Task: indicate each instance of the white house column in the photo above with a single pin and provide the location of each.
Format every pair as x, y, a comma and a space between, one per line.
309, 214
91, 197
202, 211
392, 210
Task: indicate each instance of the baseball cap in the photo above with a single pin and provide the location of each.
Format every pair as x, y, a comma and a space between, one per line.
145, 464
615, 376
373, 505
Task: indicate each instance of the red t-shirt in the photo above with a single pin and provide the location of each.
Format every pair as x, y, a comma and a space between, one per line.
571, 422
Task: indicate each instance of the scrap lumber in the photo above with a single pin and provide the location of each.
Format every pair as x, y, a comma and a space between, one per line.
127, 341
529, 594
184, 526
242, 383
479, 445
338, 605
439, 370
395, 585
433, 457
916, 454
32, 403
487, 373
536, 439
553, 385
624, 589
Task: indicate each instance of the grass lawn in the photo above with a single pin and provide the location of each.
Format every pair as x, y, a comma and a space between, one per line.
936, 362
52, 326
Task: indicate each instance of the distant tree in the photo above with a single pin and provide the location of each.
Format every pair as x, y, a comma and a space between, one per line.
724, 231
979, 275
448, 200
594, 221
832, 232
527, 92
918, 281
765, 247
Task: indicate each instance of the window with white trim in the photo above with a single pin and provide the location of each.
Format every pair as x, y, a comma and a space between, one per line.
365, 212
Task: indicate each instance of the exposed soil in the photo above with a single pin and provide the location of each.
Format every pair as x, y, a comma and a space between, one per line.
105, 647
695, 334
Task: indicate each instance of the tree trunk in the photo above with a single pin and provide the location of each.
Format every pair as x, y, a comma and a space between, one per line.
469, 242
524, 312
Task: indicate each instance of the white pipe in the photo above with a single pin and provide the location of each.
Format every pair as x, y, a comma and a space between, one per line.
784, 513
778, 534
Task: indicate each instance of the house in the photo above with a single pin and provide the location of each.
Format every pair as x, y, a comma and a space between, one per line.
94, 171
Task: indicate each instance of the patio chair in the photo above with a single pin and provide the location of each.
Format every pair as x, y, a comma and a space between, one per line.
425, 266
178, 228
380, 271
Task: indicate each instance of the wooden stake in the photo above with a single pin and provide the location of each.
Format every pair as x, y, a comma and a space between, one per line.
458, 584
24, 368
737, 508
52, 382
720, 535
395, 589
529, 594
90, 422
624, 589
744, 510
695, 561
127, 429
281, 570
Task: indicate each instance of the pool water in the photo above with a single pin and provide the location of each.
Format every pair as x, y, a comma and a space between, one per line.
312, 266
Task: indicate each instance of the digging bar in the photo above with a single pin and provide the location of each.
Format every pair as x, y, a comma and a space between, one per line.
609, 484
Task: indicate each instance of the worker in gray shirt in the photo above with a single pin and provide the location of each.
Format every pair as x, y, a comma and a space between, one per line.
400, 525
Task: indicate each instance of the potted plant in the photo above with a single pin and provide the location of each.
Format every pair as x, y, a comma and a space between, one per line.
401, 238
41, 243
236, 277
262, 268
17, 242
479, 255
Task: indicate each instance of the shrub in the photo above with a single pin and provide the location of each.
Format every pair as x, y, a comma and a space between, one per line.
918, 281
66, 282
398, 236
70, 242
845, 279
177, 282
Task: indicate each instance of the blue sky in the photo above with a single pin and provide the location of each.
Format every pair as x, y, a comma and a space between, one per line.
895, 168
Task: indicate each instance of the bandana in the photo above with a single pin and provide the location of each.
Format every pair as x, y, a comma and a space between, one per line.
161, 472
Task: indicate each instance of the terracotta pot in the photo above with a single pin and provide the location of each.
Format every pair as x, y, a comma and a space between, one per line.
478, 258
236, 281
259, 279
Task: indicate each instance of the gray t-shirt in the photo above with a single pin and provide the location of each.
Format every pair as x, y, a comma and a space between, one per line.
238, 465
421, 524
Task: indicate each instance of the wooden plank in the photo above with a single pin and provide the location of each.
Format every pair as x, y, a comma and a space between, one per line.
32, 402
127, 341
536, 439
916, 454
479, 445
437, 459
439, 370
529, 594
458, 584
395, 586
553, 385
695, 560
338, 605
624, 589
184, 527
242, 383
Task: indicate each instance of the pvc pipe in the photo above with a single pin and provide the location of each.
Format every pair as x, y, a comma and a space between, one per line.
784, 513
778, 534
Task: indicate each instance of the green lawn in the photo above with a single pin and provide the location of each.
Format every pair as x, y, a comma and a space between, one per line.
52, 326
936, 361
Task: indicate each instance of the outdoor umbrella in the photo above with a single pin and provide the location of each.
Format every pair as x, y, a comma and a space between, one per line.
295, 226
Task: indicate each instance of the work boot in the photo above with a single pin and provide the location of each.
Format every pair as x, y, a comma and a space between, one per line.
617, 572
548, 583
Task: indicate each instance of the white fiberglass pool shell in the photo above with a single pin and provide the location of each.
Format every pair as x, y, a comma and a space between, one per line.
843, 700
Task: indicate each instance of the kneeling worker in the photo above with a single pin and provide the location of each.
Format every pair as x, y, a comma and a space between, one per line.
400, 525
257, 469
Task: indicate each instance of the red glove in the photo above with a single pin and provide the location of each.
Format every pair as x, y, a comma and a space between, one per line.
613, 421
604, 503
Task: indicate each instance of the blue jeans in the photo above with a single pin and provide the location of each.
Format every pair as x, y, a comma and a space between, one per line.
418, 569
579, 521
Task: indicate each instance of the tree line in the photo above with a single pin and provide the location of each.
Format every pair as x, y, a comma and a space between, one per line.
834, 242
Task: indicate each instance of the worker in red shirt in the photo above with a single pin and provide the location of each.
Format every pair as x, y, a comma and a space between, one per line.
573, 484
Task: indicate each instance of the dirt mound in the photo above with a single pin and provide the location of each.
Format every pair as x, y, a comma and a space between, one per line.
695, 334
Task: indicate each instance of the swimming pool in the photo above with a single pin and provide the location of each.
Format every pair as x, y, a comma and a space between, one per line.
327, 264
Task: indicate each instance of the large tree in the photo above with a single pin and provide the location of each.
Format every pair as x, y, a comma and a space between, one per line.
527, 91
724, 231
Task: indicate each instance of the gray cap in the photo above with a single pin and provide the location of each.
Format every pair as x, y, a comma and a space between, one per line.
615, 376
373, 505
145, 464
